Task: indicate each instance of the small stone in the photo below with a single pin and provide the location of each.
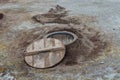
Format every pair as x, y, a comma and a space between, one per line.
7, 76
2, 69
101, 62
113, 28
1, 15
118, 71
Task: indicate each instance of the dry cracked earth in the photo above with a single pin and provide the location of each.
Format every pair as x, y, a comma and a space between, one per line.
17, 29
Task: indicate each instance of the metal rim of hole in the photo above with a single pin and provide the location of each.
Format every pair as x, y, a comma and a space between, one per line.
75, 37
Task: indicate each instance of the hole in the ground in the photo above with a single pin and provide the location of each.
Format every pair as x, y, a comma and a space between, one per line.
64, 36
89, 45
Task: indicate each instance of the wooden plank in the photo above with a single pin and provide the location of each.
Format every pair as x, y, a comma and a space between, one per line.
44, 50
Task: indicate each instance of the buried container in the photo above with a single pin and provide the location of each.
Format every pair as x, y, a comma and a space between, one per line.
64, 36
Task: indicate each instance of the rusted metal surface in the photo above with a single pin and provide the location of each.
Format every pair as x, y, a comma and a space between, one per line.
65, 36
44, 53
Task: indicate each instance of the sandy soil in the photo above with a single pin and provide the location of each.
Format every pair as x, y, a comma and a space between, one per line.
18, 20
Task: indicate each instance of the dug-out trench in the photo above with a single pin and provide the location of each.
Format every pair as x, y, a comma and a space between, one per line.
89, 45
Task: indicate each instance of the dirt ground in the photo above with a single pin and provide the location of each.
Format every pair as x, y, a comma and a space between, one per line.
17, 30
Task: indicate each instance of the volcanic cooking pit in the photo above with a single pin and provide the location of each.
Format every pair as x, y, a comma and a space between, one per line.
81, 44
77, 42
50, 50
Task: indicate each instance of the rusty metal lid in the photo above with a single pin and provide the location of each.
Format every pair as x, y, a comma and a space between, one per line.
64, 36
45, 53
